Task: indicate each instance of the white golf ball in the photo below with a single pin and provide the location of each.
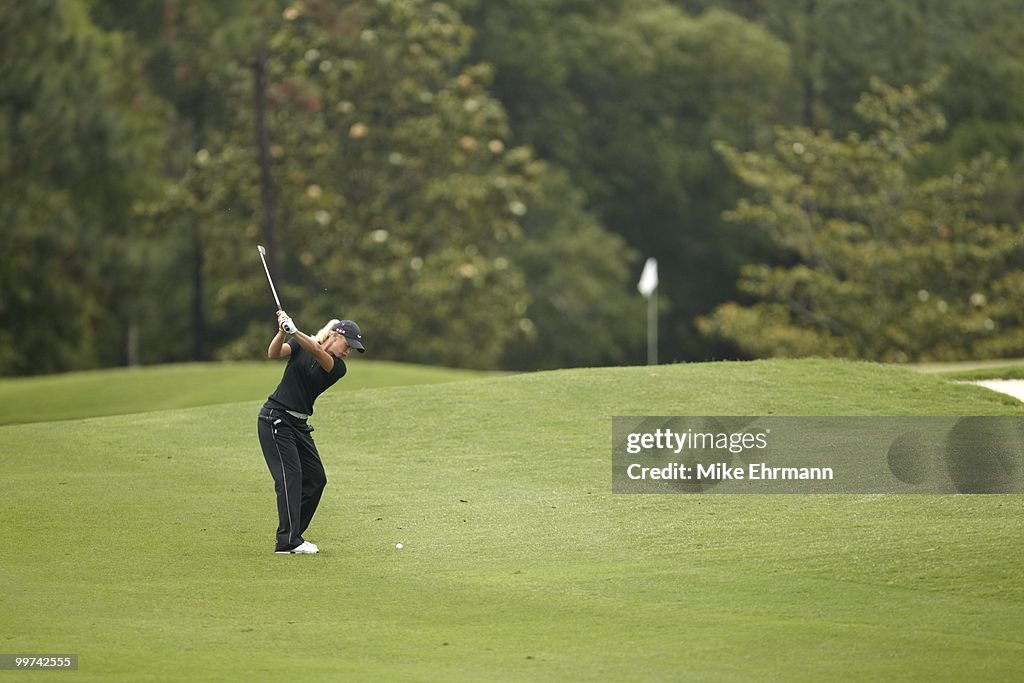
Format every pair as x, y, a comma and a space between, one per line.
398, 546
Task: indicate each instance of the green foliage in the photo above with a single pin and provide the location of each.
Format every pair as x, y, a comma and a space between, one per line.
399, 198
578, 312
78, 141
627, 96
391, 185
838, 46
395, 190
885, 265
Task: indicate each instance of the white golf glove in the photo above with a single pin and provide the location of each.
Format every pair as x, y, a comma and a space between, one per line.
287, 326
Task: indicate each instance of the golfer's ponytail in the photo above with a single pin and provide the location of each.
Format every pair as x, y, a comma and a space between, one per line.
320, 336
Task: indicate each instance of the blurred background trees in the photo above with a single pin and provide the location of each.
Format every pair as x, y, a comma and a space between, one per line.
885, 263
80, 140
478, 183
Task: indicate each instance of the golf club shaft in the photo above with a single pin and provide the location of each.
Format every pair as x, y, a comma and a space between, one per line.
273, 290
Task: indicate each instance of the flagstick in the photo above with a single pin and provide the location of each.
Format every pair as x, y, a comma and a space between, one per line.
648, 286
652, 328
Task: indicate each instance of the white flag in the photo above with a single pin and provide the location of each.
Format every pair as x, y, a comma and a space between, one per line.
649, 278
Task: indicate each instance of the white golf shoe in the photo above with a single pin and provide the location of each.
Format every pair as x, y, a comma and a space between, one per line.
305, 548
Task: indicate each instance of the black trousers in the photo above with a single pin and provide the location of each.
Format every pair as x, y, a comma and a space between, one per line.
299, 476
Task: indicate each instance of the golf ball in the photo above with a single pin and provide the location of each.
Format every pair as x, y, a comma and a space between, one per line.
398, 546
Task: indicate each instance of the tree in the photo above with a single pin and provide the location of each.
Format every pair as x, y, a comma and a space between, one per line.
184, 47
357, 143
77, 141
579, 313
883, 264
627, 96
394, 192
838, 46
398, 199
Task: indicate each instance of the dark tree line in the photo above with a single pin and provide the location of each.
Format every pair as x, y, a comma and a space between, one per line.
476, 182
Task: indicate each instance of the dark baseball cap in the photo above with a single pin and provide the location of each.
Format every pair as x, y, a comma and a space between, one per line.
351, 332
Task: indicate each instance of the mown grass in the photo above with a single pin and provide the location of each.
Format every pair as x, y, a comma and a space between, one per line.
162, 387
1006, 368
142, 542
997, 372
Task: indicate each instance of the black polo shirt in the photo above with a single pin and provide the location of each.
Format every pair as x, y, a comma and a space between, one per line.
304, 380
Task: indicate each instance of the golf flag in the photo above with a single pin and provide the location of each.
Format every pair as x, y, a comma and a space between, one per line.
649, 278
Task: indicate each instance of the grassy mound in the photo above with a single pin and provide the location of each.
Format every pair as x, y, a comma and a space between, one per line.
143, 543
162, 387
1006, 368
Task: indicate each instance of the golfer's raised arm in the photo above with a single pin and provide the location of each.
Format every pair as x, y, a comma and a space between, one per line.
324, 359
277, 348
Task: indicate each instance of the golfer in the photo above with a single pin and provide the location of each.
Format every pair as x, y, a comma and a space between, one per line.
314, 364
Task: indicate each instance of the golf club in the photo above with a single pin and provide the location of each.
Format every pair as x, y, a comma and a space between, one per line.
286, 323
263, 257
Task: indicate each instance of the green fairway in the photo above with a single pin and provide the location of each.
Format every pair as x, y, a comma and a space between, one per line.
144, 542
1015, 371
1007, 368
115, 392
